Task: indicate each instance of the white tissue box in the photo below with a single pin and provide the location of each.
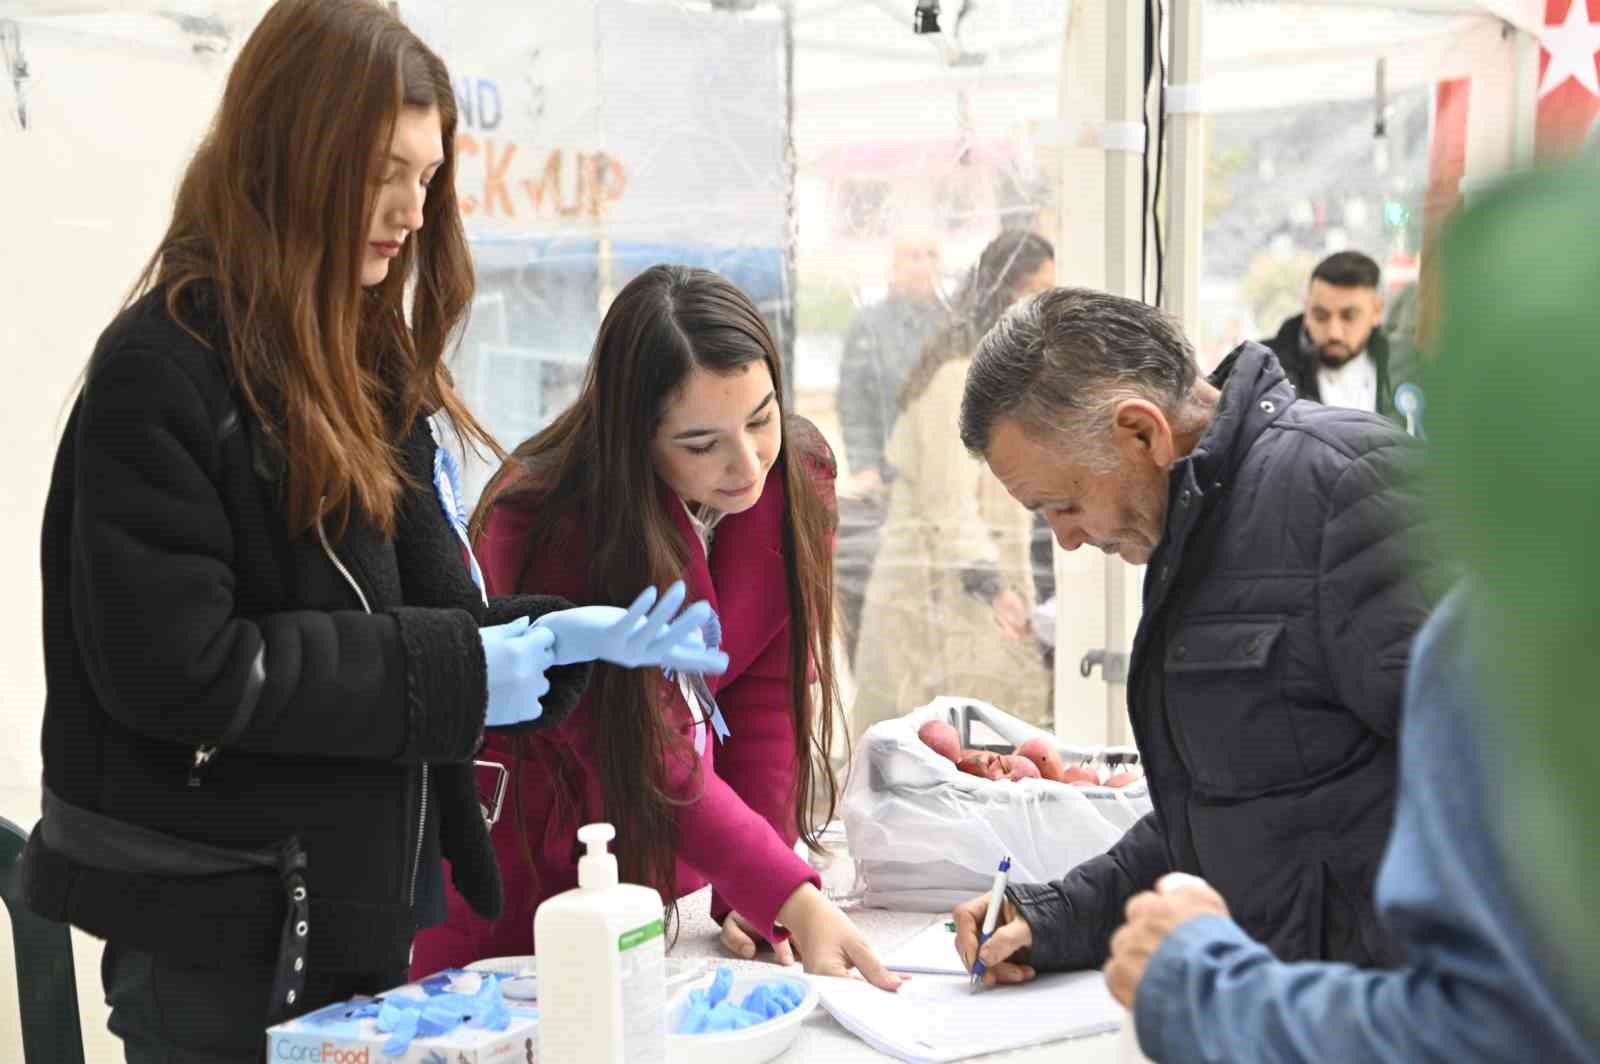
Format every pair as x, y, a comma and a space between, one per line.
322, 1038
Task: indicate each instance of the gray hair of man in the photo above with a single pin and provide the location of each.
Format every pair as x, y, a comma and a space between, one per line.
1061, 362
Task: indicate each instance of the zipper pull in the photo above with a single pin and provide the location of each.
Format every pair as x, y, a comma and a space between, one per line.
202, 757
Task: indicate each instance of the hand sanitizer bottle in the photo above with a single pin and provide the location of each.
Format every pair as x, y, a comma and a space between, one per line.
602, 965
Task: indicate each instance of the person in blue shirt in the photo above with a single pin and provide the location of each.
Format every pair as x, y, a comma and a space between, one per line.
1478, 985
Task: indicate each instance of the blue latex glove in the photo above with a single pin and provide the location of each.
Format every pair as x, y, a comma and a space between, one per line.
708, 635
518, 655
721, 984
711, 1009
405, 1018
727, 1016
643, 634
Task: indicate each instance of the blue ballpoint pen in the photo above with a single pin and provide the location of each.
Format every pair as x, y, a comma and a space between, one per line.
997, 894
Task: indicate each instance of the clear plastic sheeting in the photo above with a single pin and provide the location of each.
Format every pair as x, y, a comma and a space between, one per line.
914, 154
847, 173
927, 837
598, 139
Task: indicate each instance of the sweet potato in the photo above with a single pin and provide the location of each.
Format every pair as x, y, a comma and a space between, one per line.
981, 763
1078, 774
1017, 768
1043, 756
942, 739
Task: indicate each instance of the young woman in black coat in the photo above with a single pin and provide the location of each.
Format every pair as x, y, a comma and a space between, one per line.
268, 661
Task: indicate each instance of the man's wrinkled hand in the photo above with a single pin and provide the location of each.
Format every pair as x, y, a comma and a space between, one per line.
1007, 956
1151, 917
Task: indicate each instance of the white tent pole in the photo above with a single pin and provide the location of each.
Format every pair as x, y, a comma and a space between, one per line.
1186, 125
1525, 99
1080, 702
1124, 170
1125, 112
1097, 246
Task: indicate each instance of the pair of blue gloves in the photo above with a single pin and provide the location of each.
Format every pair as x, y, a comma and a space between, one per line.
645, 634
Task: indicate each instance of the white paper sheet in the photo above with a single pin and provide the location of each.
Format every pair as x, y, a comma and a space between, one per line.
931, 951
935, 1019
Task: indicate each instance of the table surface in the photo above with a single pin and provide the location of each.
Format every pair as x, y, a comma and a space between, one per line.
821, 1037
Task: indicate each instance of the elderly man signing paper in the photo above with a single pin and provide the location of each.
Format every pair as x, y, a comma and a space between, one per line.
1489, 878
1283, 592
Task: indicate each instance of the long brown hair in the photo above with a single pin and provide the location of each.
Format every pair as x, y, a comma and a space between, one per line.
271, 222
591, 472
992, 285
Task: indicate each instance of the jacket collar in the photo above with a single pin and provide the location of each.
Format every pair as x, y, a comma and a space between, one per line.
1255, 393
745, 578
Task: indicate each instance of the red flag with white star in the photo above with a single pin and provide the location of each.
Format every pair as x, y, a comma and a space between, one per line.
1569, 79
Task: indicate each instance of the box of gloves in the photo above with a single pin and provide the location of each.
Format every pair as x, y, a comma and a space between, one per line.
454, 1016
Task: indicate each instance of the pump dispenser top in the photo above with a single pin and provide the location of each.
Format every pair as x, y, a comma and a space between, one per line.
598, 866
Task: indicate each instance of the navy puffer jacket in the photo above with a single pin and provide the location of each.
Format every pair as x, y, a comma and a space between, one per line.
1264, 689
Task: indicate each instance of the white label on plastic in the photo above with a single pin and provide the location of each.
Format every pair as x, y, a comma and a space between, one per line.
642, 954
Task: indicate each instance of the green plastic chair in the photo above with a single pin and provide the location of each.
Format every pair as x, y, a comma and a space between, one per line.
47, 990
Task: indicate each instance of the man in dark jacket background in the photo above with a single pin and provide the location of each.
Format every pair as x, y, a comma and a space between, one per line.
1285, 584
1336, 351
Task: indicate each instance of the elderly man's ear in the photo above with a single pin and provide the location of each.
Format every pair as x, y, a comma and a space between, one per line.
1141, 433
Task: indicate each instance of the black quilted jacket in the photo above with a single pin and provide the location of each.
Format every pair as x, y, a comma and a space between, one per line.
213, 680
1264, 688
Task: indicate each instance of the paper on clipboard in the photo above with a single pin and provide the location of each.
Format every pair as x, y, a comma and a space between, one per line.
931, 951
936, 1019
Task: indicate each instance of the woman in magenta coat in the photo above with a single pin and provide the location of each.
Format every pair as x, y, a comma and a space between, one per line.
676, 462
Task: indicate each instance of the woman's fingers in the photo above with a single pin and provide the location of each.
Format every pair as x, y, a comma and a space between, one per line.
859, 954
735, 940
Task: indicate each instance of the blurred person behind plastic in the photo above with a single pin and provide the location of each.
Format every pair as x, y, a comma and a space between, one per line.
882, 345
950, 597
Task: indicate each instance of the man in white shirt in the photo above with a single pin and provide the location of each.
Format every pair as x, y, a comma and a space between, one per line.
1336, 351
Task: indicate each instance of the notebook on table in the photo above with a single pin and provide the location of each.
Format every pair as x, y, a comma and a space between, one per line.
934, 1019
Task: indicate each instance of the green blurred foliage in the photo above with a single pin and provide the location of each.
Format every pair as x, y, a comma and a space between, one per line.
1222, 165
824, 305
1514, 437
1275, 287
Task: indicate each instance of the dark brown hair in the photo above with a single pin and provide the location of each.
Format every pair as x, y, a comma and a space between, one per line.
992, 285
591, 473
1348, 269
271, 222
